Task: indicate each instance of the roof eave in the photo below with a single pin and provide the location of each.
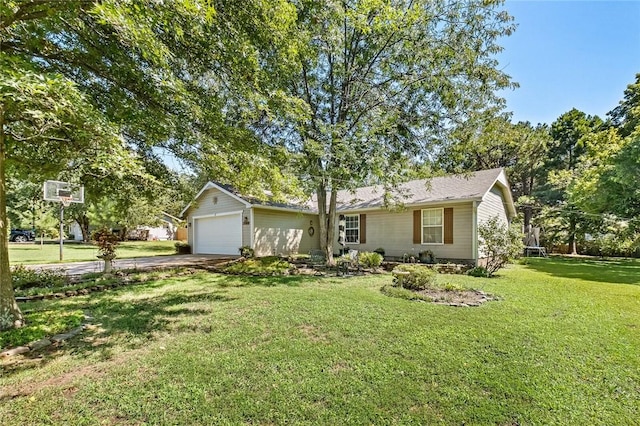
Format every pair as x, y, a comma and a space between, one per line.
284, 209
418, 204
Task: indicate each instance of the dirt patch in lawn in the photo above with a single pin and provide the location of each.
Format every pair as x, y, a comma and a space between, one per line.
64, 381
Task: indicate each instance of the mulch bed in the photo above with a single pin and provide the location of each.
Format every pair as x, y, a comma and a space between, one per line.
460, 298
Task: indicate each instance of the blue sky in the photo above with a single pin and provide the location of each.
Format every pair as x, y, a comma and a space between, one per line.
567, 54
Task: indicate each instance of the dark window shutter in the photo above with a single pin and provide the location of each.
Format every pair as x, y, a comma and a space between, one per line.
448, 225
417, 227
363, 228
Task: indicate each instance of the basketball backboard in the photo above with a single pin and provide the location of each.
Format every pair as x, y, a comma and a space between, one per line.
63, 192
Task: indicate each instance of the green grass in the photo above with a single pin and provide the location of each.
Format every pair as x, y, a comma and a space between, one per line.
42, 323
50, 253
560, 347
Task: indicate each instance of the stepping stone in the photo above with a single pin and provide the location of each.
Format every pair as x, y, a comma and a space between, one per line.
15, 351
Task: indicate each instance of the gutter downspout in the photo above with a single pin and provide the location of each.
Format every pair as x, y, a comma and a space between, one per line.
251, 228
474, 232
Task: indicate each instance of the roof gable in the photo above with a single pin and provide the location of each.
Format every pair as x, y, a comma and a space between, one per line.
248, 201
219, 187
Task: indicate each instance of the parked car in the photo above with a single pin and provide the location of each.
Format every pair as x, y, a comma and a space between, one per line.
22, 235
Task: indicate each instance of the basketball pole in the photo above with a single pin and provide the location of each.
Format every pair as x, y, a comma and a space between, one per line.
61, 227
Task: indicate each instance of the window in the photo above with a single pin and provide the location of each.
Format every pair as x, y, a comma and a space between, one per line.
432, 228
352, 229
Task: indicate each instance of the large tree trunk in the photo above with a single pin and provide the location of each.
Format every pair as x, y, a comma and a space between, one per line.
327, 220
83, 221
10, 315
572, 236
528, 214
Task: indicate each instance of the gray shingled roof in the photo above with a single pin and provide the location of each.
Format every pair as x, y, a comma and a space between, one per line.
423, 191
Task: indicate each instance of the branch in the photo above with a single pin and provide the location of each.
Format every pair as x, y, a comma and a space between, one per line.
26, 11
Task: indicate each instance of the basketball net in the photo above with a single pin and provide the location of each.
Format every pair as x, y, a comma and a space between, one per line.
66, 201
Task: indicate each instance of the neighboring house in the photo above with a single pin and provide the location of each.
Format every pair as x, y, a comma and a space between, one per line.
440, 214
165, 229
75, 230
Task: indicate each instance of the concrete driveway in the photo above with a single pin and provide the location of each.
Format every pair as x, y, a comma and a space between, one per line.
173, 261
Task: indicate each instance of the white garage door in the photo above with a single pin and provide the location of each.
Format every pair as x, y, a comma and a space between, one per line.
219, 234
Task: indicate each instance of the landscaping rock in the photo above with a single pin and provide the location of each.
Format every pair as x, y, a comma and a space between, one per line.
76, 331
15, 351
60, 338
39, 344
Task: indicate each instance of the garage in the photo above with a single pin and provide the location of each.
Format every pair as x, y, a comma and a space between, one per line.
221, 234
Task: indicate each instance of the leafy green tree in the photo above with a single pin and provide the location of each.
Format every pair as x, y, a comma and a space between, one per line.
41, 117
563, 167
496, 142
626, 116
379, 84
611, 166
115, 76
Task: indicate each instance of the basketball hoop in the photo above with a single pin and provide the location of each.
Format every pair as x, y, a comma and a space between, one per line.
65, 193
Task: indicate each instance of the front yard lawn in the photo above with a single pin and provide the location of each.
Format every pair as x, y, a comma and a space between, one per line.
212, 349
21, 253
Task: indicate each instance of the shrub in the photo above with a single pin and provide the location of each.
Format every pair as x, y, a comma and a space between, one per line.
370, 259
263, 266
427, 256
23, 278
452, 287
403, 293
182, 248
380, 251
500, 244
246, 251
420, 277
107, 242
478, 271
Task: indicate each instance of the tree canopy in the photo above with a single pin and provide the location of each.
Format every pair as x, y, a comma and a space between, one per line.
92, 88
379, 85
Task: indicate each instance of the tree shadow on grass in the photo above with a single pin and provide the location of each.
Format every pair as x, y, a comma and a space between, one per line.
126, 319
618, 271
273, 281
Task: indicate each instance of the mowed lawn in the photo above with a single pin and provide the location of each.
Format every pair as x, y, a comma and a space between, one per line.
28, 253
561, 347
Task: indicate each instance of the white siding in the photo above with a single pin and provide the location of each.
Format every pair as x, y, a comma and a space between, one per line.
279, 232
394, 233
492, 204
212, 202
246, 227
